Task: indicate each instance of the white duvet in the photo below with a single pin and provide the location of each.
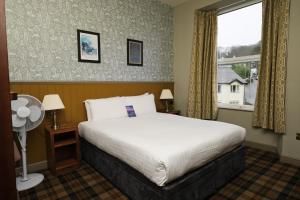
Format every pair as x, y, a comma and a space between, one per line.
163, 146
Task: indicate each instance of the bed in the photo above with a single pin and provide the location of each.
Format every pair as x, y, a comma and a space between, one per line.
162, 156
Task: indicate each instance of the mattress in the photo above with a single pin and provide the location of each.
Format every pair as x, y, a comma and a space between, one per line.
162, 146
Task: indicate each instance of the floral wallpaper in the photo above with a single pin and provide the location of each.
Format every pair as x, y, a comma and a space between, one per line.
42, 39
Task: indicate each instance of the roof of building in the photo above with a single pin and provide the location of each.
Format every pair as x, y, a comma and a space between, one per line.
226, 75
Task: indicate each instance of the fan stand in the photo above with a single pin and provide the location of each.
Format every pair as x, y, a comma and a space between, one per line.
26, 181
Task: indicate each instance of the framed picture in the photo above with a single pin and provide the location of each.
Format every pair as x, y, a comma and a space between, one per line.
88, 46
134, 52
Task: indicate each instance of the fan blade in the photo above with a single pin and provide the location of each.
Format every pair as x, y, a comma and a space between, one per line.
18, 122
35, 113
16, 104
23, 112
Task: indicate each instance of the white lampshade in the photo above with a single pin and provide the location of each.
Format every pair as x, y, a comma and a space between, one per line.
166, 94
52, 102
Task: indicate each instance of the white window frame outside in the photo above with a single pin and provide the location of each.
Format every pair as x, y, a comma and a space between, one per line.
236, 107
234, 102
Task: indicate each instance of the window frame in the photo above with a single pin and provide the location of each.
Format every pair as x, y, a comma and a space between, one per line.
249, 108
234, 88
227, 9
236, 6
234, 102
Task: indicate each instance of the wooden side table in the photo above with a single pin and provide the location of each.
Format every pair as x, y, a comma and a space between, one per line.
62, 148
174, 112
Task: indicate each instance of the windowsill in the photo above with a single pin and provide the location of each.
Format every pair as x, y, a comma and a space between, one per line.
236, 107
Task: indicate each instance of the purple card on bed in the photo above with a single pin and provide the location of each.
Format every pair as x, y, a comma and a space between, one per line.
130, 111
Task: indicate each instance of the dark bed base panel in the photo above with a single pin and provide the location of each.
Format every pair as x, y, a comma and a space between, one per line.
198, 184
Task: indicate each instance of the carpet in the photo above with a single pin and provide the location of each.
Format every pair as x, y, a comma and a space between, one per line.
264, 178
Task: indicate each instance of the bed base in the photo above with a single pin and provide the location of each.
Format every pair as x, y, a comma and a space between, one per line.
198, 184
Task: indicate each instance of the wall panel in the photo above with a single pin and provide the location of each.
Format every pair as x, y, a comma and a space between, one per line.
73, 94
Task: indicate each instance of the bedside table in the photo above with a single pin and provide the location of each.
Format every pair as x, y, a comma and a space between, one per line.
174, 112
62, 148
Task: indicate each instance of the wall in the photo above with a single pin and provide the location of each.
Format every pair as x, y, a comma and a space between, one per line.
73, 94
290, 146
42, 39
183, 29
244, 119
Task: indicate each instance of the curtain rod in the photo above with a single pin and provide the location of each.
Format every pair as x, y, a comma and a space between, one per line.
232, 4
236, 5
223, 7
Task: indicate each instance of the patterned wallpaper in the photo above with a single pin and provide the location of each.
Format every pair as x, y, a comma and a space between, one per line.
42, 39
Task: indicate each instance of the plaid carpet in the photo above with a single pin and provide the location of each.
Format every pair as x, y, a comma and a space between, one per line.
264, 178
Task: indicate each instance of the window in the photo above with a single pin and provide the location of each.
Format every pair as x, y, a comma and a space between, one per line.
234, 102
239, 46
219, 88
234, 88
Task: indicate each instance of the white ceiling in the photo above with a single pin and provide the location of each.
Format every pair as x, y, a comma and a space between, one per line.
173, 2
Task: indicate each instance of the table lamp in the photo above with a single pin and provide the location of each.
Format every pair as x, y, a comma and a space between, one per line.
166, 95
53, 102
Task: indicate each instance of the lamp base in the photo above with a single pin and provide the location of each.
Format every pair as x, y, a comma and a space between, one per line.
54, 126
167, 106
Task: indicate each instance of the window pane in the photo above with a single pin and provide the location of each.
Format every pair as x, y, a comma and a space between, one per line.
239, 46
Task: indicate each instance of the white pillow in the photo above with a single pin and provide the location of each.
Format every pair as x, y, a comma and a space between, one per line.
142, 104
88, 111
145, 94
106, 108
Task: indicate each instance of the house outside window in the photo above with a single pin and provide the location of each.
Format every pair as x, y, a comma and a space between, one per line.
234, 102
239, 47
233, 86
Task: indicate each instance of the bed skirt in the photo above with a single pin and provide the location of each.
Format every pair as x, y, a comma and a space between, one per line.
195, 185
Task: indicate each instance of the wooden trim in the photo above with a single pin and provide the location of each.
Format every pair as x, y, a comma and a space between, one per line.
290, 160
34, 167
273, 149
263, 147
90, 82
7, 172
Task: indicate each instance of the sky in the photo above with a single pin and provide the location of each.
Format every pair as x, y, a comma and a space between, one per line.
240, 27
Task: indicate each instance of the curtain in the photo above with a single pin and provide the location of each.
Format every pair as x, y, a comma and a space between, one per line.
269, 112
202, 96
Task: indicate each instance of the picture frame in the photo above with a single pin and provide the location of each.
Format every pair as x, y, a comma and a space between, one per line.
134, 52
89, 49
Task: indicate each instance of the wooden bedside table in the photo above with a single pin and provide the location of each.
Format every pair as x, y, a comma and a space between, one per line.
62, 148
174, 112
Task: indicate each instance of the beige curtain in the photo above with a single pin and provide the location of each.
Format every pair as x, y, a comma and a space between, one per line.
202, 99
269, 110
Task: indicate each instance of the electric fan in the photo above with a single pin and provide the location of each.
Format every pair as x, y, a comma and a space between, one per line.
27, 114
